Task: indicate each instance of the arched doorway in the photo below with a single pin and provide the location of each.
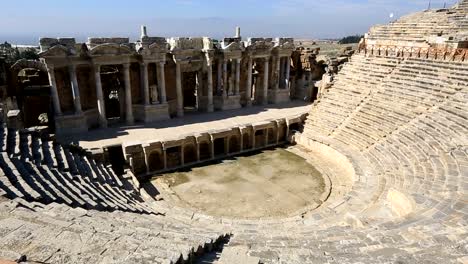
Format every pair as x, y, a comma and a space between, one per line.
190, 154
112, 88
219, 149
30, 84
260, 138
271, 136
234, 146
155, 161
173, 156
205, 150
189, 90
246, 140
282, 132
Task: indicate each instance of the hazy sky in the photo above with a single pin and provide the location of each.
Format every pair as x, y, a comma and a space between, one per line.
24, 21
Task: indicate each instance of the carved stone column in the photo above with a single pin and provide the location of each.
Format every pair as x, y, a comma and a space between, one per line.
238, 64
210, 107
75, 89
99, 96
53, 90
225, 79
277, 73
128, 94
288, 72
248, 91
145, 82
180, 99
265, 81
220, 78
162, 82
281, 73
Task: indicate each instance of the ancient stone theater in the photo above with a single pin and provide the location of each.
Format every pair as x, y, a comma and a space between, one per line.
194, 150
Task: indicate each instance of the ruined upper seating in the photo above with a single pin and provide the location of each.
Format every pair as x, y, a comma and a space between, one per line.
424, 28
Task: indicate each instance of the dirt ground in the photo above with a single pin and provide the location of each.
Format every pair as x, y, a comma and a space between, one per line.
272, 183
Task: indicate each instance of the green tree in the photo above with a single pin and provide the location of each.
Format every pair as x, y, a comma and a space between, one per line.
351, 39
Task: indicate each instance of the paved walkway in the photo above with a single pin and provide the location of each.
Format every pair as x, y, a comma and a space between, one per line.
189, 124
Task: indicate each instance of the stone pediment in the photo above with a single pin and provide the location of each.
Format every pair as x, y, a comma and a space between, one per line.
234, 46
260, 44
110, 49
285, 43
159, 47
57, 51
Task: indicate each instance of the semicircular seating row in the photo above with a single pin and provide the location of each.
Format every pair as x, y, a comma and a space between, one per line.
403, 123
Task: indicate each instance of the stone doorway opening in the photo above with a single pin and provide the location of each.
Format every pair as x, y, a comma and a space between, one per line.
116, 158
219, 149
34, 98
113, 91
189, 91
30, 84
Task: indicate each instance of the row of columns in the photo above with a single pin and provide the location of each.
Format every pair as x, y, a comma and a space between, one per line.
99, 92
74, 87
223, 77
283, 67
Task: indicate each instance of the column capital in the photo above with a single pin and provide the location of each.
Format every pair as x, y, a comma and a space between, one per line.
126, 65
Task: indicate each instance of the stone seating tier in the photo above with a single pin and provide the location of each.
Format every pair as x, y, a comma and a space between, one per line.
39, 170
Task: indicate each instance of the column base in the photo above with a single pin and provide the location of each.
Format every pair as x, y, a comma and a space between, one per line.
151, 113
204, 106
278, 96
71, 124
180, 112
227, 103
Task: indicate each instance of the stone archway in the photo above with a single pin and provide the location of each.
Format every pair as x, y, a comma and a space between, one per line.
155, 161
260, 138
190, 153
205, 150
234, 145
29, 82
219, 147
247, 141
283, 131
271, 136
